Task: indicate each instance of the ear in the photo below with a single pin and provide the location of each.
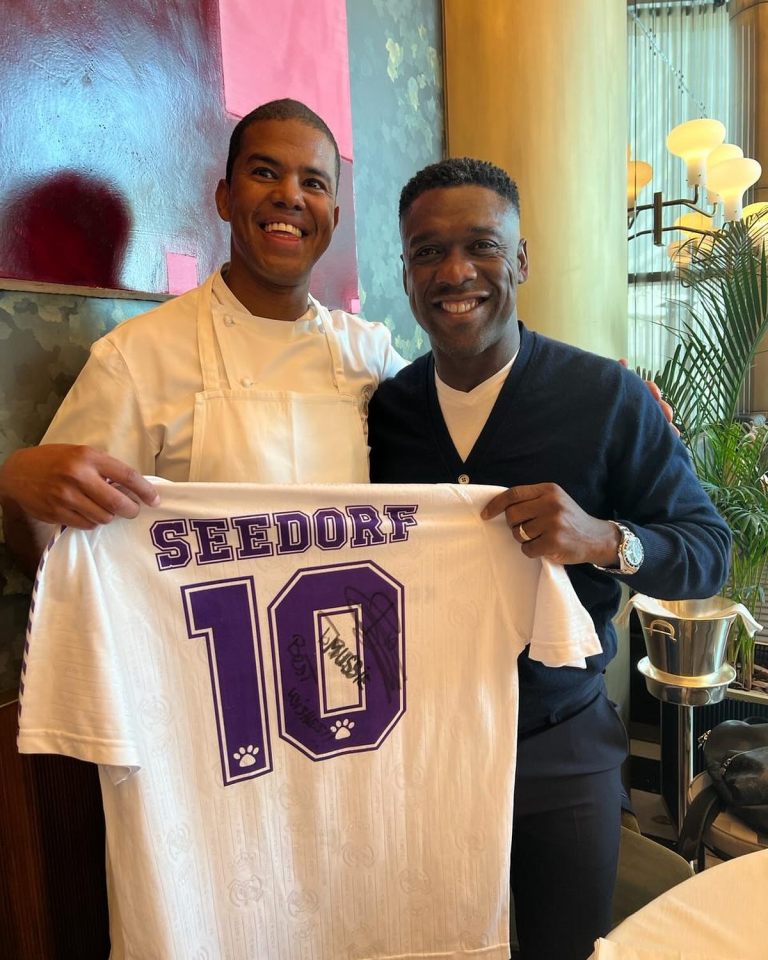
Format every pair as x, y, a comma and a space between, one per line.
336, 212
405, 275
522, 261
222, 199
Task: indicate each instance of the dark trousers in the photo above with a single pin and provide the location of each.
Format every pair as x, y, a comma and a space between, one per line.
565, 841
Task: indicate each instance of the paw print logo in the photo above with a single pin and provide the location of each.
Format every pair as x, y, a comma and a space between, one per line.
342, 729
246, 756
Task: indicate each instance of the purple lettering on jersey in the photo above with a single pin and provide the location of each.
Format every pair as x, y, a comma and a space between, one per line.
402, 516
292, 531
366, 524
167, 537
366, 604
330, 528
253, 533
224, 613
212, 540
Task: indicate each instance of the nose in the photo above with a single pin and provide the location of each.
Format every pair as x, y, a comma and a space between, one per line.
455, 269
287, 193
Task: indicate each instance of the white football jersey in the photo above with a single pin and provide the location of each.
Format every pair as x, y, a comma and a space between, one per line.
303, 705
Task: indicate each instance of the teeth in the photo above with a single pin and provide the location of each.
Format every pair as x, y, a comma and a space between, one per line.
282, 228
463, 306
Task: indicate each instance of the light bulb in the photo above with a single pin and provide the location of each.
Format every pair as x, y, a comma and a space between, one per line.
694, 141
726, 151
730, 179
696, 242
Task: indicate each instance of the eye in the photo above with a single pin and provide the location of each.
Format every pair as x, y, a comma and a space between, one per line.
484, 245
424, 253
314, 184
264, 172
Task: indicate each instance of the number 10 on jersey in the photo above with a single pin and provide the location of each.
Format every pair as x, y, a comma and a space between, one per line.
337, 650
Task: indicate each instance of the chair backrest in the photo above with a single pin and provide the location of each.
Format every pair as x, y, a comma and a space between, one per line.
646, 870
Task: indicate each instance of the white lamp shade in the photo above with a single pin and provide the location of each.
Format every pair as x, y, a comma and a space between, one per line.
638, 175
696, 220
730, 179
726, 151
695, 242
694, 141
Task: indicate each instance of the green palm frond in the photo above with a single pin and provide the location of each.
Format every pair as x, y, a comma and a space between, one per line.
721, 334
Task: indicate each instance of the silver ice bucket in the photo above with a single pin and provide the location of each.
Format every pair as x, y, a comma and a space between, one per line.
686, 644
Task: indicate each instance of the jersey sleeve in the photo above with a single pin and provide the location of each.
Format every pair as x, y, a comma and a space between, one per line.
538, 602
562, 631
74, 698
102, 410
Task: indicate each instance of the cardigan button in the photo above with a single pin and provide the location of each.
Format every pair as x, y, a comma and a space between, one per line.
463, 478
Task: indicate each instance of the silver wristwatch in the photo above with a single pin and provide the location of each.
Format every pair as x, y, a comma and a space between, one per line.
631, 553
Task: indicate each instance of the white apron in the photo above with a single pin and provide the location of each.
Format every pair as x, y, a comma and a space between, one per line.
249, 434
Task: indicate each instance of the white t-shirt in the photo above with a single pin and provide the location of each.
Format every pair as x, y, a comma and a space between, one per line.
303, 703
466, 412
135, 396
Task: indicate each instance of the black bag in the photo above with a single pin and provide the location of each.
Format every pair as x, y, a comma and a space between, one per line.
736, 759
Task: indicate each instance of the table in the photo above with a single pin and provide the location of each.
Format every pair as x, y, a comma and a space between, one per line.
720, 914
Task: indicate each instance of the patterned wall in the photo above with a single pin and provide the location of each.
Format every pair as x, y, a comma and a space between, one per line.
397, 124
44, 341
397, 114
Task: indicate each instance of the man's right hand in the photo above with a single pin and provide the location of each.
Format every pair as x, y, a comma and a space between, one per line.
74, 485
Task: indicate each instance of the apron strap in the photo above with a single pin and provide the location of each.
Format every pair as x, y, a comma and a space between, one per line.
206, 339
334, 347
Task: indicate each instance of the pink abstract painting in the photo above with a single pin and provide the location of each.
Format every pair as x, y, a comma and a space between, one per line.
293, 48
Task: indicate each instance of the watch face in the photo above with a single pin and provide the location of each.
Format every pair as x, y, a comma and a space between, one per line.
633, 551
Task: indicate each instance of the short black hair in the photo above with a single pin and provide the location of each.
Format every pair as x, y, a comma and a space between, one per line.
285, 109
460, 172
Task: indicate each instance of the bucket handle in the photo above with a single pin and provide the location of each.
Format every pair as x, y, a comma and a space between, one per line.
664, 627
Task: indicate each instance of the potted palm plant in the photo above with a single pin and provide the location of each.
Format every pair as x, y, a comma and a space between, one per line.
725, 323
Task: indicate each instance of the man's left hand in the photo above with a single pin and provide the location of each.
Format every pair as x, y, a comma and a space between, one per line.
549, 523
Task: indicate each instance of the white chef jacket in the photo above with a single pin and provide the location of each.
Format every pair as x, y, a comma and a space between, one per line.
135, 397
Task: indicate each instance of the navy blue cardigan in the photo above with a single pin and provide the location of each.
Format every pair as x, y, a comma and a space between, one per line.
572, 418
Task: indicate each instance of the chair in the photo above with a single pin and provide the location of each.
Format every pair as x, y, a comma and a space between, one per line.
726, 836
646, 870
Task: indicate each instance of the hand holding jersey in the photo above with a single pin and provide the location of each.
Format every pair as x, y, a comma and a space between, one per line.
548, 523
75, 485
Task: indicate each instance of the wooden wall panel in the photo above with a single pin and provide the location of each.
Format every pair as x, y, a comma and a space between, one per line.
52, 879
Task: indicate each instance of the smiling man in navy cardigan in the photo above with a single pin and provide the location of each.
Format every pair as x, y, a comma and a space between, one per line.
596, 480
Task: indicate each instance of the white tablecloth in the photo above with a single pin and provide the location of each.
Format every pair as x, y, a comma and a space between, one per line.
720, 914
